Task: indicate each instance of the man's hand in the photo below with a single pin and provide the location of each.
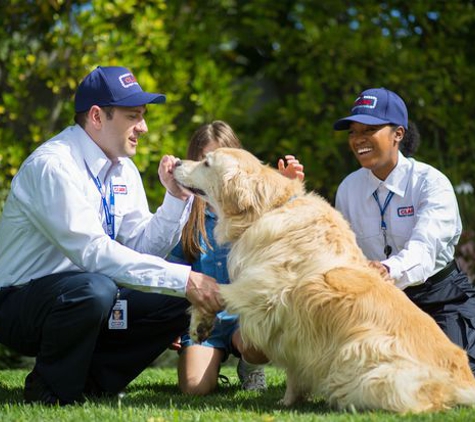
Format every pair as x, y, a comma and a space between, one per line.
203, 292
165, 174
382, 269
291, 168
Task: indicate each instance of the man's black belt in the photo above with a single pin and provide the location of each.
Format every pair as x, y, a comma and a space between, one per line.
444, 272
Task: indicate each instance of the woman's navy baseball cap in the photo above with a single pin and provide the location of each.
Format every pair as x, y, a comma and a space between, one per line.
376, 106
112, 86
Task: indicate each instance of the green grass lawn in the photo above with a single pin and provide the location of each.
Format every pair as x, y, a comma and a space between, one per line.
154, 397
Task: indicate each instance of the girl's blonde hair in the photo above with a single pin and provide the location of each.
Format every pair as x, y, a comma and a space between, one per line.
220, 133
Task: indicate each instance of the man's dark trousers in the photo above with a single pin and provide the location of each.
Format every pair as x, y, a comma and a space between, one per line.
62, 319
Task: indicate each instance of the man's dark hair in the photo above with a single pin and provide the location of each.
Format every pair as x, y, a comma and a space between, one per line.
80, 118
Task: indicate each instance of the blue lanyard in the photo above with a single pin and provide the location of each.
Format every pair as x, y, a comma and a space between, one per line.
108, 208
382, 209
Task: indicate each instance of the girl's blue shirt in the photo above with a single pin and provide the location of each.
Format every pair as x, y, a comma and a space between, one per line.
212, 261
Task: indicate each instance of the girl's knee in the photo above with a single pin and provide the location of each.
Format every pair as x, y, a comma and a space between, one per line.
197, 387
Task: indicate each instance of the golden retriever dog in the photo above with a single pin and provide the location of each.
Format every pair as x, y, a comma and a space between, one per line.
307, 298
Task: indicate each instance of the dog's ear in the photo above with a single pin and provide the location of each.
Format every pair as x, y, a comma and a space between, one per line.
237, 193
250, 191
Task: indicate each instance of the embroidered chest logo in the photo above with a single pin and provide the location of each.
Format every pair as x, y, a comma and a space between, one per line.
120, 189
405, 211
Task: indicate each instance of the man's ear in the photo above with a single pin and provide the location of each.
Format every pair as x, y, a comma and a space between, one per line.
94, 116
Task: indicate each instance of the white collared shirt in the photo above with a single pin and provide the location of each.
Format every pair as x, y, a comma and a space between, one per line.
53, 220
423, 220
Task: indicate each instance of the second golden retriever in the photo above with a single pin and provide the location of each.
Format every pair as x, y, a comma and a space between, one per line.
308, 299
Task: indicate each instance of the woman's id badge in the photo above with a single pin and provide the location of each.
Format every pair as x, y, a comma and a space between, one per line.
118, 318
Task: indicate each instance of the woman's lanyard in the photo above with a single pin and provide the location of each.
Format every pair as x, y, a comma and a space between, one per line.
108, 209
387, 248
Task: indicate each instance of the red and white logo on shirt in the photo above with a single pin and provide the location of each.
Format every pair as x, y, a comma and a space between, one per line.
405, 211
120, 189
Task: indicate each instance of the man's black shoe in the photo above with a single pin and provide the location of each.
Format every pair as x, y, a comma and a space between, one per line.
93, 391
36, 391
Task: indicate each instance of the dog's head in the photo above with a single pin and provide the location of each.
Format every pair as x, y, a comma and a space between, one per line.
233, 182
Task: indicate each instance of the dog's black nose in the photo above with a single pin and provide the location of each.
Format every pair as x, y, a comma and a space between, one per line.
178, 163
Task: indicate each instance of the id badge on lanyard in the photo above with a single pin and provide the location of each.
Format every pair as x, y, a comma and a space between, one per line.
118, 318
109, 209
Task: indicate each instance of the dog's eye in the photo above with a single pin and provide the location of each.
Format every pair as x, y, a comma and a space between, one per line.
206, 164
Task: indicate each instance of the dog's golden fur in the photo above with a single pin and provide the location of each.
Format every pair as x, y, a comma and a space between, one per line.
308, 299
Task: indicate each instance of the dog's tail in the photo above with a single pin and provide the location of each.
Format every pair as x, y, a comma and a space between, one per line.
402, 386
465, 396
444, 392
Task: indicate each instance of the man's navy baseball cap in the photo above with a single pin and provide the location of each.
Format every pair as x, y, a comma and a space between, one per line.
376, 106
112, 86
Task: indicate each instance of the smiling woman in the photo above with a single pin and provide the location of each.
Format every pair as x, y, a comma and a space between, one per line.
405, 214
375, 146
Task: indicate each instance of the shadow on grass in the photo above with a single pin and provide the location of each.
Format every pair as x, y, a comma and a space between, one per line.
10, 395
231, 398
163, 395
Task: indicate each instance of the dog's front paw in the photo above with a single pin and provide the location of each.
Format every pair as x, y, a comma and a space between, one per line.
203, 331
201, 326
285, 402
294, 393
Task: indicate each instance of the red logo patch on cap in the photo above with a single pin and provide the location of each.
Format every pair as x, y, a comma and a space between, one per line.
127, 80
405, 211
366, 101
